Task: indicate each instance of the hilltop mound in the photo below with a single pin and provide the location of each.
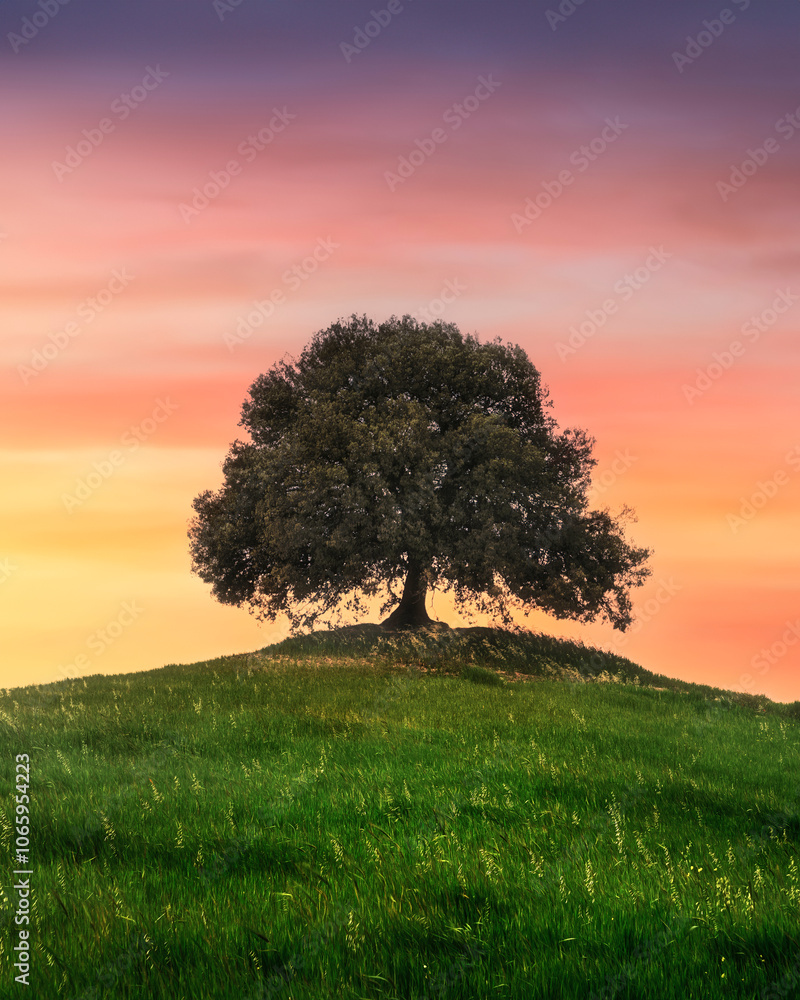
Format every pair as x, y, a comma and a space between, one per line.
512, 655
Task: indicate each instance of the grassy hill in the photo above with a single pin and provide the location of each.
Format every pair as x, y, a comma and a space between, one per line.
362, 815
508, 655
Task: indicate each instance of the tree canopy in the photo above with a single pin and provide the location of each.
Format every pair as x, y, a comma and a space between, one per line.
408, 453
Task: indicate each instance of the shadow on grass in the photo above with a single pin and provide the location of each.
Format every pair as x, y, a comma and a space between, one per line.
534, 654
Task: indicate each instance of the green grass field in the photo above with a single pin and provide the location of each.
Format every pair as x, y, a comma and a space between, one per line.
343, 816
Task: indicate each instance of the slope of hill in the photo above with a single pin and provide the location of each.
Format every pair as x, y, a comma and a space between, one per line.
370, 817
511, 656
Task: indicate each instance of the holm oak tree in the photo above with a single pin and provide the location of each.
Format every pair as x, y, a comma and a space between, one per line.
407, 454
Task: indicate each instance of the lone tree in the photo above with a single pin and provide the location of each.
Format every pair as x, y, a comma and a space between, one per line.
409, 453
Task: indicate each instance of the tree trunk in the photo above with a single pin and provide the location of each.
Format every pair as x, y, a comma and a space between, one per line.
410, 612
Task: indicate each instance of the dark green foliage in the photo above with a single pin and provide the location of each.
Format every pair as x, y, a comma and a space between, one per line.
480, 675
401, 451
529, 653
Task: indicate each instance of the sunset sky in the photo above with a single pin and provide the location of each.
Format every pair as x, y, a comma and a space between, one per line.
614, 188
